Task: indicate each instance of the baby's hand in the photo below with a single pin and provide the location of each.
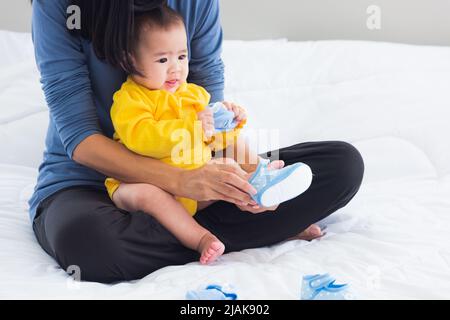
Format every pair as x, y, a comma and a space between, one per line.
240, 113
207, 119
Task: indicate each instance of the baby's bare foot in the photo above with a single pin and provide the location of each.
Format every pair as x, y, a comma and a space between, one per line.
311, 233
210, 248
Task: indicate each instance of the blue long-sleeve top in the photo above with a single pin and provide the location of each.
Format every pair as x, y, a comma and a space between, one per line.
79, 87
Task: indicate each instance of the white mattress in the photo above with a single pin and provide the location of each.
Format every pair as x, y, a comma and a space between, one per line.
391, 101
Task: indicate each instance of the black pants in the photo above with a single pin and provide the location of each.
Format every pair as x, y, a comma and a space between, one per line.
80, 226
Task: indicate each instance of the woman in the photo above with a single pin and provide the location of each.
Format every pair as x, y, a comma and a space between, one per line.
74, 219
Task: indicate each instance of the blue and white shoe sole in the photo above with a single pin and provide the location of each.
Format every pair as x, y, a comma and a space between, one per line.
287, 188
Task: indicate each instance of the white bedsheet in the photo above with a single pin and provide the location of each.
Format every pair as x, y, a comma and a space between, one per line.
390, 100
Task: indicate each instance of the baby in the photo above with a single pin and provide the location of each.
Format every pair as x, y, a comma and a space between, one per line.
157, 114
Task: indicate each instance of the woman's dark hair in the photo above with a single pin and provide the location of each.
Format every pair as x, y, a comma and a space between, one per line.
114, 26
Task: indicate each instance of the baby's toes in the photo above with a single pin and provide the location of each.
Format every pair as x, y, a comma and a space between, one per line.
216, 246
204, 258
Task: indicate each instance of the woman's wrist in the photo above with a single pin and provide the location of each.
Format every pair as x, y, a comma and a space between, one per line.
168, 179
176, 182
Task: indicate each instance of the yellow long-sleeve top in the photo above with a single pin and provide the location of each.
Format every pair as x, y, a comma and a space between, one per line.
164, 125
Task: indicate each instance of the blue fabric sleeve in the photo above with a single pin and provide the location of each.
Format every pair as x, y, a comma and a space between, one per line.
64, 74
206, 66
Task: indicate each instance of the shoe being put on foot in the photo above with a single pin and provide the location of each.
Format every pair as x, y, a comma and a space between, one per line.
275, 186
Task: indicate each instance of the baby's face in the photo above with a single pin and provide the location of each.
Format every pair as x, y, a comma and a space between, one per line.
162, 58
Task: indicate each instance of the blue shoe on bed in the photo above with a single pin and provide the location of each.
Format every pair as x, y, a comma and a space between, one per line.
211, 292
323, 287
275, 186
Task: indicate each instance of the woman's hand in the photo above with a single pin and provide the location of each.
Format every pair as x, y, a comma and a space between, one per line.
256, 209
219, 179
207, 119
277, 164
240, 113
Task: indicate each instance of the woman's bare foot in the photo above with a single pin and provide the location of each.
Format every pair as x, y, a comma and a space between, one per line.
311, 233
210, 248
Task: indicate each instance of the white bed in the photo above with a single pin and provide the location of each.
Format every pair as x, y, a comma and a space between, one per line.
392, 101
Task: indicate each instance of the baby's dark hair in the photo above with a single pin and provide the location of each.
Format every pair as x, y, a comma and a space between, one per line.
114, 26
160, 18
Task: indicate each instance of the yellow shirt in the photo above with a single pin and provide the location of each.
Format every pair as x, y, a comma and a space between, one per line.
164, 125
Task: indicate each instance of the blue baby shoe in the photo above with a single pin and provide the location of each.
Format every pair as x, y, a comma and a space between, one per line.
323, 287
211, 292
279, 185
223, 118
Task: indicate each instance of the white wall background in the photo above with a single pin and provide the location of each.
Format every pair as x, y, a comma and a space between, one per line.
410, 21
15, 15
